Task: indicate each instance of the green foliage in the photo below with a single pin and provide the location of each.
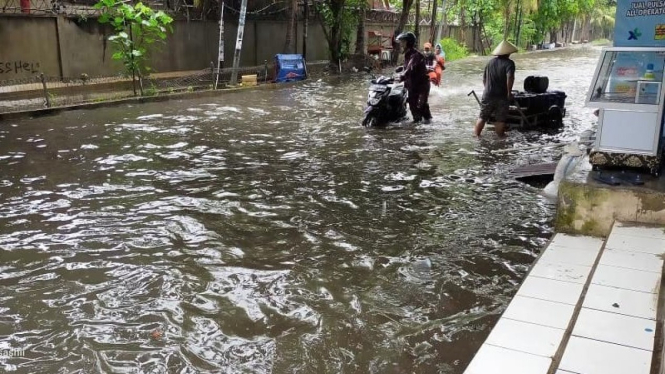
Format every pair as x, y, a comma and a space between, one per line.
454, 50
526, 22
152, 90
340, 20
137, 28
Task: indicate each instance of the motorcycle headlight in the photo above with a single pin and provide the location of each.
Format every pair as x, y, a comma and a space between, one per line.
374, 100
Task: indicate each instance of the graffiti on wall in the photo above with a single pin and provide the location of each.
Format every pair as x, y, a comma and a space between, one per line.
19, 67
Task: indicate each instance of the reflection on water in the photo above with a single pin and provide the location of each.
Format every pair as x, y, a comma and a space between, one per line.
267, 231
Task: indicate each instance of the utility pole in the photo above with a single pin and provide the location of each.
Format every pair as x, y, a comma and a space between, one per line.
236, 55
220, 54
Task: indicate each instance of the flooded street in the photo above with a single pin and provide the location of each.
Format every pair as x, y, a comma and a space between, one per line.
266, 231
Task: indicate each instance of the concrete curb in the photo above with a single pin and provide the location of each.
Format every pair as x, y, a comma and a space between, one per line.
35, 113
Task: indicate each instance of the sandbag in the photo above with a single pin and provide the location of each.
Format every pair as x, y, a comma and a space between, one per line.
572, 155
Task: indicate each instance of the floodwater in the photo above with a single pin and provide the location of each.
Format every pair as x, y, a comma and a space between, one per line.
268, 232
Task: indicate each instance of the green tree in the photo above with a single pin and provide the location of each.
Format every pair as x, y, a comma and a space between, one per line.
331, 15
340, 19
137, 28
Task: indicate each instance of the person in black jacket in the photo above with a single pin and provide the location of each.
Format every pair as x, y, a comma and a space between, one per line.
415, 78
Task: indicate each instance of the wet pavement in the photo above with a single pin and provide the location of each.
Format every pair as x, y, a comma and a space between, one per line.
268, 232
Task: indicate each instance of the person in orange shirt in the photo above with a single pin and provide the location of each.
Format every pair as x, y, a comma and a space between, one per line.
435, 64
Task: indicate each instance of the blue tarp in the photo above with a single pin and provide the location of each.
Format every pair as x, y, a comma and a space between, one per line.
640, 24
289, 68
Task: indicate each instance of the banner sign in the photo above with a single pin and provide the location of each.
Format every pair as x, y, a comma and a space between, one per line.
640, 24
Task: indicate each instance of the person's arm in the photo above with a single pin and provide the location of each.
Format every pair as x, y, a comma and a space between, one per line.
511, 80
485, 78
408, 66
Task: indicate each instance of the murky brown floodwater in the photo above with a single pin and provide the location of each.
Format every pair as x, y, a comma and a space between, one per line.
267, 232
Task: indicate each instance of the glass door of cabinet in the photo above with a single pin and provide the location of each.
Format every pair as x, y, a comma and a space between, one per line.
629, 78
629, 89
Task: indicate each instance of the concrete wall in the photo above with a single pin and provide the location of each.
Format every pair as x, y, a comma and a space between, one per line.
68, 47
587, 208
28, 45
84, 48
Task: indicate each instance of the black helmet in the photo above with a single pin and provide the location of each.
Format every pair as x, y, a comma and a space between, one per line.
408, 37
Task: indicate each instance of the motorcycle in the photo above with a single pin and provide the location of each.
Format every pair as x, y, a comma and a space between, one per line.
386, 100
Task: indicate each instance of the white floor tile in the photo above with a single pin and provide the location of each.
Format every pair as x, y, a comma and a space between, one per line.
497, 360
525, 337
563, 272
632, 260
571, 241
539, 312
635, 280
567, 255
552, 290
615, 328
636, 243
637, 230
621, 301
564, 372
593, 357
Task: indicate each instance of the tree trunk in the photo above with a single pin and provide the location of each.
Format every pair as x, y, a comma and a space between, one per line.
337, 8
516, 26
289, 43
569, 33
446, 29
333, 32
406, 7
584, 32
462, 15
416, 30
506, 26
519, 27
432, 34
483, 37
474, 32
304, 30
360, 33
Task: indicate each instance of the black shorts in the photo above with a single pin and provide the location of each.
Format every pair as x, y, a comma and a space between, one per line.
496, 107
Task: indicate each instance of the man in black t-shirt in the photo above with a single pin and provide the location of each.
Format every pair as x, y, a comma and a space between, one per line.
498, 80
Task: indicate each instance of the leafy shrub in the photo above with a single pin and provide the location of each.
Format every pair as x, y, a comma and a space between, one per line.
453, 50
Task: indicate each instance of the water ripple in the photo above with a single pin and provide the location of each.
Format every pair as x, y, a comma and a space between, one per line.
268, 232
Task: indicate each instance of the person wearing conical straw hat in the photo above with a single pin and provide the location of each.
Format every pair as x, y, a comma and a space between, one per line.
498, 80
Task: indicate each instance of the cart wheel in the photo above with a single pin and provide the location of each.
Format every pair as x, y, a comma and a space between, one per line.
555, 115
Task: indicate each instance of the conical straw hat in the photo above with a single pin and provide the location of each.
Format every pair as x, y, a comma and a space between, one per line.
505, 48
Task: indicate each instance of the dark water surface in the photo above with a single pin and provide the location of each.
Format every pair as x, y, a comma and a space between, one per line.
267, 232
